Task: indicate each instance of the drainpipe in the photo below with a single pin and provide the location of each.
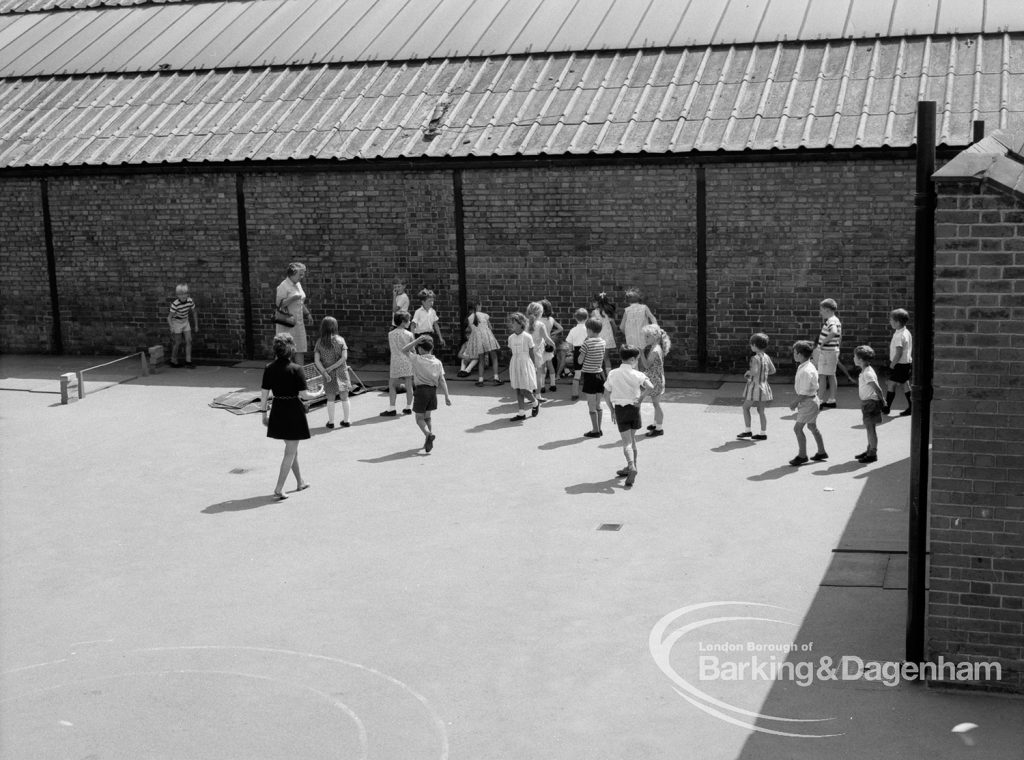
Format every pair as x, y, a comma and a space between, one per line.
921, 385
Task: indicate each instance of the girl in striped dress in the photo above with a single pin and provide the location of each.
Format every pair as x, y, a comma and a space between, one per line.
757, 391
656, 346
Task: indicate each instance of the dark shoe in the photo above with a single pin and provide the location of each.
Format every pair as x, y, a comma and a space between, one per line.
592, 434
536, 409
552, 388
345, 424
330, 425
821, 456
869, 458
861, 455
631, 477
623, 472
828, 405
479, 383
518, 418
429, 443
747, 434
389, 413
885, 410
655, 433
407, 410
172, 365
797, 461
462, 373
760, 437
575, 398
906, 413
190, 365
498, 382
652, 427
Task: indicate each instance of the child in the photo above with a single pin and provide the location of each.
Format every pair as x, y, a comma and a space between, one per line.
542, 343
482, 341
624, 390
522, 369
399, 299
554, 330
425, 320
806, 405
757, 391
467, 360
401, 367
592, 359
330, 357
182, 318
656, 345
901, 358
574, 340
826, 355
427, 375
870, 393
603, 311
635, 317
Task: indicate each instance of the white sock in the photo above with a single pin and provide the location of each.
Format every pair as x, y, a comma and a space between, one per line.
345, 409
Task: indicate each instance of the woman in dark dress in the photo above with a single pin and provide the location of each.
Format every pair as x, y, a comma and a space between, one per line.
284, 380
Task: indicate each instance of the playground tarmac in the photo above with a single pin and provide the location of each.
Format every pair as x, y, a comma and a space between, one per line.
155, 602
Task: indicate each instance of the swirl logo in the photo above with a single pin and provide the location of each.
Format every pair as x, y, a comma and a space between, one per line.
697, 617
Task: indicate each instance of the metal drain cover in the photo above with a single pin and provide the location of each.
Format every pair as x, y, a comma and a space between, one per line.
239, 471
610, 526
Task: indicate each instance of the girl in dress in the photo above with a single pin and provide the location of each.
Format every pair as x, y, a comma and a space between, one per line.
330, 356
542, 343
656, 345
522, 369
757, 391
482, 341
603, 311
635, 318
554, 329
284, 380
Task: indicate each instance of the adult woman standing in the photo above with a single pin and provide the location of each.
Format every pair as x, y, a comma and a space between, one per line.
292, 298
284, 380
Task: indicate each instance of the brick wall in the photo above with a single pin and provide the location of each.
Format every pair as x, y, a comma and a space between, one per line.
781, 236
784, 236
123, 243
26, 320
976, 601
355, 232
567, 233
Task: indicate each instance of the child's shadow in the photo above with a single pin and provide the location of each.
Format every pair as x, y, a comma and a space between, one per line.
240, 505
559, 444
605, 486
837, 469
778, 472
504, 408
407, 454
733, 445
503, 424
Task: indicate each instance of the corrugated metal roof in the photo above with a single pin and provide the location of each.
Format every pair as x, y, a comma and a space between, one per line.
181, 36
731, 98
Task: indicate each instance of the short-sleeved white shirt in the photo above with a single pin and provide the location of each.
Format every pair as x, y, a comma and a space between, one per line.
903, 338
577, 335
624, 385
423, 321
806, 381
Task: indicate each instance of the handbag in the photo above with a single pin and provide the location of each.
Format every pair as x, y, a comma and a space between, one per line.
283, 317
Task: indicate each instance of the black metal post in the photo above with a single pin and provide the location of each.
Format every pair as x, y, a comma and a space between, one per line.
702, 269
460, 255
56, 336
921, 385
243, 256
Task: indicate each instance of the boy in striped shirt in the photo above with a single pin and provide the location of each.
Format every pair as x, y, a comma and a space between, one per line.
182, 319
826, 354
592, 373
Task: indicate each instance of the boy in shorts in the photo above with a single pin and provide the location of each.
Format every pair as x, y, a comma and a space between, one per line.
901, 358
427, 375
826, 355
870, 393
182, 318
624, 390
592, 374
806, 405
